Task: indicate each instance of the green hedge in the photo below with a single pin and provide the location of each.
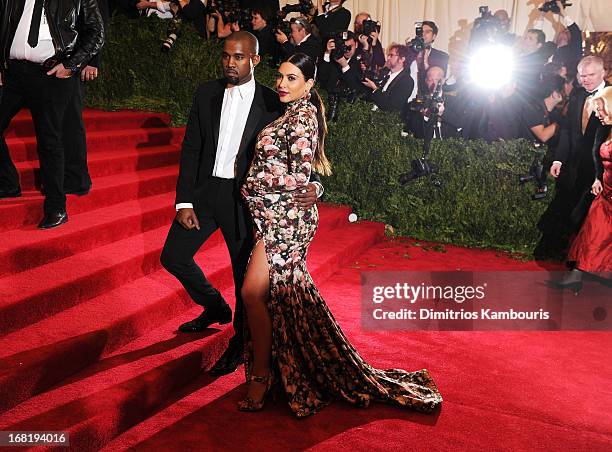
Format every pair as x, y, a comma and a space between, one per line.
479, 204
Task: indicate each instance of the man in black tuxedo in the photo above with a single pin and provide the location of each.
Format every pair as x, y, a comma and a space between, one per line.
573, 165
336, 71
218, 147
396, 86
428, 57
302, 40
42, 48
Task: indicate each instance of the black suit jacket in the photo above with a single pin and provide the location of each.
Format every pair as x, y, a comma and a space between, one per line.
396, 95
202, 133
334, 21
331, 77
311, 47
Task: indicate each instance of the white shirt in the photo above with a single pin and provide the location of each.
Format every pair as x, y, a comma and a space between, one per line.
163, 10
392, 76
20, 49
237, 102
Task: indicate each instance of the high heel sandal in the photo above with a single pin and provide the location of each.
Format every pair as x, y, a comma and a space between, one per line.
572, 282
248, 404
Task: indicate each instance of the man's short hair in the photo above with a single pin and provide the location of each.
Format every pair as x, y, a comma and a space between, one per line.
432, 24
592, 60
549, 84
540, 34
401, 50
265, 11
244, 36
350, 35
302, 23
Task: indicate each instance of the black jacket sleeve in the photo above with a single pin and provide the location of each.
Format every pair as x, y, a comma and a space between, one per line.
190, 152
338, 20
104, 12
90, 35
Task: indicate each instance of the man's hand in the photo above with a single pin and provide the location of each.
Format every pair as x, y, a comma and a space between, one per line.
188, 219
363, 39
555, 169
280, 37
144, 5
60, 71
89, 73
306, 197
370, 84
374, 36
596, 188
331, 45
342, 61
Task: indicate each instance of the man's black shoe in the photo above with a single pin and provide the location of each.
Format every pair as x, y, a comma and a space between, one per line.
53, 220
220, 315
229, 361
12, 193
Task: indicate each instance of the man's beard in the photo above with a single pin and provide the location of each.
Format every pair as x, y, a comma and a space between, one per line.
233, 79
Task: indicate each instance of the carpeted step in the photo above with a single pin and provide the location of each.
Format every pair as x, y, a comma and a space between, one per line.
23, 149
107, 163
27, 248
95, 120
43, 291
318, 262
107, 191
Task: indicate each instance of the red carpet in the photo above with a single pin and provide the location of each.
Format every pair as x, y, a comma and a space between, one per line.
88, 340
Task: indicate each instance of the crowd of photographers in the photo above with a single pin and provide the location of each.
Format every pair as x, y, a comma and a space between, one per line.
413, 78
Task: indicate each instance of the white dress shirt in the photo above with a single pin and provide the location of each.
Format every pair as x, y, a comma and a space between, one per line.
237, 102
392, 76
20, 49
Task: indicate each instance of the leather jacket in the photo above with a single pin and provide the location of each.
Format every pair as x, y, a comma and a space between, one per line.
75, 25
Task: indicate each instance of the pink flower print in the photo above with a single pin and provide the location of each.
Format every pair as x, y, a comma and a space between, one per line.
266, 140
301, 179
300, 130
290, 182
278, 170
302, 143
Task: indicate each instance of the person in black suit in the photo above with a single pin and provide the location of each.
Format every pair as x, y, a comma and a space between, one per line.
428, 57
337, 72
261, 17
76, 173
332, 18
40, 54
302, 40
573, 164
397, 85
219, 142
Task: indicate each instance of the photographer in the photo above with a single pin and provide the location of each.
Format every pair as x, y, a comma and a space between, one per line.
302, 40
393, 91
432, 105
540, 116
568, 41
341, 67
159, 8
332, 18
260, 18
369, 42
426, 57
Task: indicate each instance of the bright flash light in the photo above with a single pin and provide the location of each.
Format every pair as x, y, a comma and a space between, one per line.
491, 66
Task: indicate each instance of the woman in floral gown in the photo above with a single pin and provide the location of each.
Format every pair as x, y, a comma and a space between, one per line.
293, 338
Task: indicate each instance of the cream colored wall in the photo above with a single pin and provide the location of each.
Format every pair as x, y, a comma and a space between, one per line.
455, 17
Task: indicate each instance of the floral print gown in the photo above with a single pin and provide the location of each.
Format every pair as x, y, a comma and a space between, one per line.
311, 356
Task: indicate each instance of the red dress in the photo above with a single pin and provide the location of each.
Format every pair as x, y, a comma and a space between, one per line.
592, 248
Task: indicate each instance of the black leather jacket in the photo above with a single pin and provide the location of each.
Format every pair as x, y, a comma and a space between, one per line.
75, 25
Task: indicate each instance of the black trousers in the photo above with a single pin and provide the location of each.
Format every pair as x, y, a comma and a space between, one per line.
221, 208
76, 173
27, 84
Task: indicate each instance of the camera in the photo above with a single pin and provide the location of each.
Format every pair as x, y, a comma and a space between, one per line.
377, 76
303, 8
552, 6
429, 104
418, 43
536, 173
486, 27
341, 48
231, 12
174, 29
370, 26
